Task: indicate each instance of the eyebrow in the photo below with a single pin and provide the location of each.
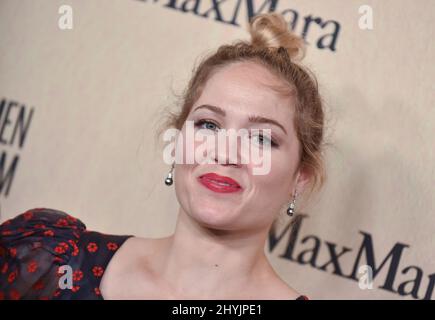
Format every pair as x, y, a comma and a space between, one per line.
252, 118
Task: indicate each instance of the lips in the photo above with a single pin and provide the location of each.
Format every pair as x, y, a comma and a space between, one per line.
218, 183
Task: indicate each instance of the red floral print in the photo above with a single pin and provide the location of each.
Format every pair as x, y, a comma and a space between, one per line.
71, 219
33, 247
78, 275
75, 248
14, 294
92, 247
112, 246
61, 248
97, 271
62, 223
13, 252
12, 276
49, 233
5, 268
58, 260
32, 266
28, 215
6, 233
39, 285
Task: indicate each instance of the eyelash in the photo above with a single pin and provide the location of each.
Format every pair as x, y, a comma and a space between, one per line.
199, 123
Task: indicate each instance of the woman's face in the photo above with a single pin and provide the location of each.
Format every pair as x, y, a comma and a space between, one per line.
238, 93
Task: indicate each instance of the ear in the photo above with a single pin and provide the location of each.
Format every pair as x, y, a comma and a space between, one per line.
303, 177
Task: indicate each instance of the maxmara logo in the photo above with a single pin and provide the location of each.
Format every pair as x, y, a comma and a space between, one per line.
399, 279
315, 30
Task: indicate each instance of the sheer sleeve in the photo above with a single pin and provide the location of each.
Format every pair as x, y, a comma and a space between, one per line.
32, 247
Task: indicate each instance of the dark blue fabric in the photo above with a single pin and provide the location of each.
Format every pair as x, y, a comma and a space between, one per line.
33, 245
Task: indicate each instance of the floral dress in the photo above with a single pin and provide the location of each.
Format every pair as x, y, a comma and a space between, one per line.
41, 247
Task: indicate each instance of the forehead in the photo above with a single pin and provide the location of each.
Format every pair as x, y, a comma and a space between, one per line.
246, 87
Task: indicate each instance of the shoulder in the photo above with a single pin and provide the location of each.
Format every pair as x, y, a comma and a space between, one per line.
34, 244
40, 226
135, 262
38, 218
39, 212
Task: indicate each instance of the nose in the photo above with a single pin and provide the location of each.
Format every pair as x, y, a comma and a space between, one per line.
226, 161
229, 154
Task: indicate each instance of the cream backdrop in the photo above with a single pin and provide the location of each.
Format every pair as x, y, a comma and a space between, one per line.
97, 92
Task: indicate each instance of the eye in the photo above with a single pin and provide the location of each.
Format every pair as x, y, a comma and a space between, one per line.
206, 124
264, 140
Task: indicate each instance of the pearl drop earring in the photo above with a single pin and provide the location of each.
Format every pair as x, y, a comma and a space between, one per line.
291, 208
169, 180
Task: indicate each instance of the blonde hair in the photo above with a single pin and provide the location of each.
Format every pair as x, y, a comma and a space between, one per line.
274, 46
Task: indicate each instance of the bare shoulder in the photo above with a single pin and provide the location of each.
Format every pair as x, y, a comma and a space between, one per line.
134, 249
126, 268
140, 244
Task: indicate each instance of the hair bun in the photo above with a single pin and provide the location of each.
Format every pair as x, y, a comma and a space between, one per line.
270, 30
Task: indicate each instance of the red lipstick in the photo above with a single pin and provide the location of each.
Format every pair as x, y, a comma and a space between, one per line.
218, 183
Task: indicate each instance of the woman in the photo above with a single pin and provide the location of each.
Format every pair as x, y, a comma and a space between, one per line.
217, 249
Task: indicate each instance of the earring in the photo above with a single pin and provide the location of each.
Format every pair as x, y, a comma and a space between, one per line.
169, 180
291, 208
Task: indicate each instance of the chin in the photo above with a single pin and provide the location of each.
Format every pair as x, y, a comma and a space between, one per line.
214, 218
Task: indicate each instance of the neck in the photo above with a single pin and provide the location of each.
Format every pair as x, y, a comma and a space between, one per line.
206, 263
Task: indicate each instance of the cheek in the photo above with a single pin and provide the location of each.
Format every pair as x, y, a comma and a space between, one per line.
183, 183
279, 180
182, 177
